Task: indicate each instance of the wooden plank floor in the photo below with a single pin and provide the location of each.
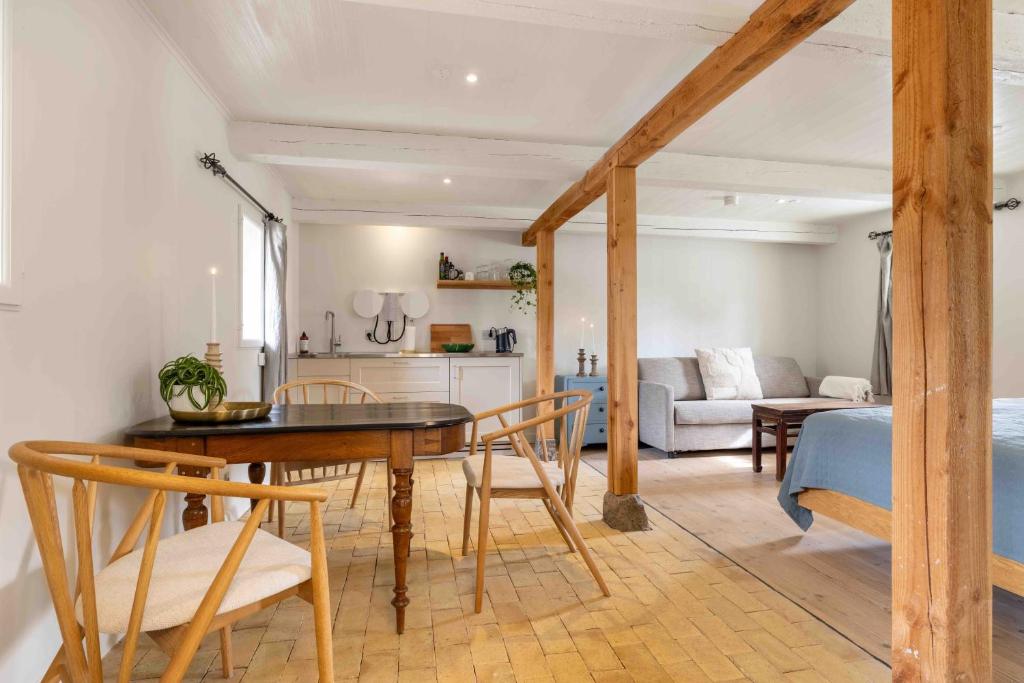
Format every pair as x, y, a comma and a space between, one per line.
840, 575
679, 610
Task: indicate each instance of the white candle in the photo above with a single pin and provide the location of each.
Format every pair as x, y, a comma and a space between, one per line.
582, 328
213, 304
593, 340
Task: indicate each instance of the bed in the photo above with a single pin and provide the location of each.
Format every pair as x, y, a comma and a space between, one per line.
842, 468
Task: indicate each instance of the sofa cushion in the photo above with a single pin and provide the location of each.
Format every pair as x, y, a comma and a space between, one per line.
728, 374
719, 412
780, 377
682, 374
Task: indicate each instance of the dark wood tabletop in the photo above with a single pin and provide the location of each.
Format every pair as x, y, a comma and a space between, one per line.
307, 418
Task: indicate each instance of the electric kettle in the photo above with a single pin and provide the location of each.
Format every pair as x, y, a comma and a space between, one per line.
504, 339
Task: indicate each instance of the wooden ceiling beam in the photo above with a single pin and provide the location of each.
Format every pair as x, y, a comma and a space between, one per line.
776, 27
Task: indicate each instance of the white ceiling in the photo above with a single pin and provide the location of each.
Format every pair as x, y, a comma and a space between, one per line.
560, 77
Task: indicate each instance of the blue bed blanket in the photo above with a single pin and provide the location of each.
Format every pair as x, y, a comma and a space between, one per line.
850, 451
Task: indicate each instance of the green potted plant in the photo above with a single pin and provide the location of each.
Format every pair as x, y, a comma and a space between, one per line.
189, 384
524, 278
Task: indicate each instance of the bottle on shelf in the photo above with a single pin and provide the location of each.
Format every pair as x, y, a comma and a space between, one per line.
441, 267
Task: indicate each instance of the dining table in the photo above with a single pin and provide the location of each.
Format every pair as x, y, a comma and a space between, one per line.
400, 432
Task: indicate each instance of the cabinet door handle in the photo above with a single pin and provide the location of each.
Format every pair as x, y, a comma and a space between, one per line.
399, 362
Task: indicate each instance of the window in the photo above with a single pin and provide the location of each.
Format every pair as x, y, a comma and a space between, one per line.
9, 298
250, 237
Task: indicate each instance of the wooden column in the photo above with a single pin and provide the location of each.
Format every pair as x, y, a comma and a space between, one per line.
546, 317
942, 310
622, 375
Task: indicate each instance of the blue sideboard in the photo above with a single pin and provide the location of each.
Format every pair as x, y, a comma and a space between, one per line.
596, 429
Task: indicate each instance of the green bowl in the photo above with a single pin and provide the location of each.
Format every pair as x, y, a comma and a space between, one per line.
457, 348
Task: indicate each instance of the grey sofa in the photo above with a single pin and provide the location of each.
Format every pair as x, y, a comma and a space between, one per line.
676, 416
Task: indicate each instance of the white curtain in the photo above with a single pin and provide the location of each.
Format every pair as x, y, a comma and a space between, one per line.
881, 365
275, 327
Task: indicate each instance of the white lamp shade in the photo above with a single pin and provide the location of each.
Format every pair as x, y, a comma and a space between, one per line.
367, 303
415, 304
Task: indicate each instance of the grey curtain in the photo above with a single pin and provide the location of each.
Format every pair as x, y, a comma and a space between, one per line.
275, 327
881, 365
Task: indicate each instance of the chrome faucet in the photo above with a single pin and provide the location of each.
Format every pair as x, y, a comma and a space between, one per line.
330, 345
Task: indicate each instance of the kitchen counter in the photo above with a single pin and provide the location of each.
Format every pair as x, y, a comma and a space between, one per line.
395, 354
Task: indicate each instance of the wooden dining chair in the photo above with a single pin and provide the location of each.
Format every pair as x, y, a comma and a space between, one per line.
298, 473
175, 589
524, 475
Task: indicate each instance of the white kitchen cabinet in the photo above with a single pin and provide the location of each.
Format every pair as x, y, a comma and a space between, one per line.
413, 396
334, 368
480, 384
402, 375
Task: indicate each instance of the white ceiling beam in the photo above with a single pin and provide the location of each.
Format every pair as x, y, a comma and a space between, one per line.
451, 155
353, 213
862, 32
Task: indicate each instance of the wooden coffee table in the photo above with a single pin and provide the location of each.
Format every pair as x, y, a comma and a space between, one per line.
783, 420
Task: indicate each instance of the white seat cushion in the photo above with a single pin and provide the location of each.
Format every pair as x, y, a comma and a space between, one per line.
509, 472
721, 412
184, 569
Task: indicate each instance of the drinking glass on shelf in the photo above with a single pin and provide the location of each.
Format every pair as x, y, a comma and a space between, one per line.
483, 272
506, 267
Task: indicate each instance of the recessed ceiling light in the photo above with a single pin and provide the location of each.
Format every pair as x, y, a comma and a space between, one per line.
447, 181
783, 200
472, 78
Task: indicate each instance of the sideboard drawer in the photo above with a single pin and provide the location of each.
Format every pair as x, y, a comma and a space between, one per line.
598, 413
323, 367
413, 396
401, 375
595, 433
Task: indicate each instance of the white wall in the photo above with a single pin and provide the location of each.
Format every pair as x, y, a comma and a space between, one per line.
692, 292
115, 226
848, 291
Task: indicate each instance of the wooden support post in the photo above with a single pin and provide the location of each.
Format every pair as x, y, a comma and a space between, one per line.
545, 319
942, 311
623, 408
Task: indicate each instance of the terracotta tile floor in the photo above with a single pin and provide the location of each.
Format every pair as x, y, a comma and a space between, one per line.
678, 611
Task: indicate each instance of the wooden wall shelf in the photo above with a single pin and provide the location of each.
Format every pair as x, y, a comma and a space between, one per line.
475, 284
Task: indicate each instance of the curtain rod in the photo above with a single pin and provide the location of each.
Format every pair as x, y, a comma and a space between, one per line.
212, 164
1011, 204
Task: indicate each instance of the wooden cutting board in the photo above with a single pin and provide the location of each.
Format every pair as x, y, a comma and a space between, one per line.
449, 334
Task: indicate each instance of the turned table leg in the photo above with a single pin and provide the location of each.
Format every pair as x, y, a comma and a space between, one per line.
781, 443
401, 513
257, 471
195, 513
756, 441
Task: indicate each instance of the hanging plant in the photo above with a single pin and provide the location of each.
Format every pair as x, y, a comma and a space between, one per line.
188, 376
524, 278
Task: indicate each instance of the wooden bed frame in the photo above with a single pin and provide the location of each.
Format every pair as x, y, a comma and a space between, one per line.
871, 519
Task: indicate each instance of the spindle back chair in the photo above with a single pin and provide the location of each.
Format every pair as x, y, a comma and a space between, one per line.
298, 473
81, 610
554, 483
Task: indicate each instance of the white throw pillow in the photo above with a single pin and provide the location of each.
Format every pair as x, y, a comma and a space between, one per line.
728, 374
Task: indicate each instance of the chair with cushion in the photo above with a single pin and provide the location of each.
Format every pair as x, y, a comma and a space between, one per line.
175, 589
525, 476
298, 472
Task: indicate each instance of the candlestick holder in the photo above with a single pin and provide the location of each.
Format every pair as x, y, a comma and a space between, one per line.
593, 365
213, 355
581, 358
